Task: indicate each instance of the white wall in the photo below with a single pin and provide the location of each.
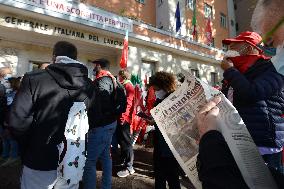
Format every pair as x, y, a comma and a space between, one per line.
167, 61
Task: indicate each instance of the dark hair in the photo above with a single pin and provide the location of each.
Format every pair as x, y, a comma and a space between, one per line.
104, 63
164, 80
124, 73
15, 82
64, 48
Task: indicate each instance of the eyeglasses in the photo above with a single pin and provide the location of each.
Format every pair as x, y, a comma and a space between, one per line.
272, 31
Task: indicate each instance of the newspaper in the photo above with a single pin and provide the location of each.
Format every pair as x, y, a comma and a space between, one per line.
175, 119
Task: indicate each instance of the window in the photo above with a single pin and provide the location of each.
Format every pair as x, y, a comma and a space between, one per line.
141, 1
237, 27
232, 23
195, 72
224, 47
214, 78
208, 11
190, 4
223, 20
148, 69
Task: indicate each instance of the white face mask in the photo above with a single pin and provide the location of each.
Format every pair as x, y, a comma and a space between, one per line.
231, 53
160, 94
278, 59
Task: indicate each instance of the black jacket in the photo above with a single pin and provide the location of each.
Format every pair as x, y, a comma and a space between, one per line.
161, 148
3, 104
103, 113
40, 111
217, 168
259, 98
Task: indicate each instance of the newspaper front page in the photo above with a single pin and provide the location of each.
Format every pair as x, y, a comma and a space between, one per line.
175, 117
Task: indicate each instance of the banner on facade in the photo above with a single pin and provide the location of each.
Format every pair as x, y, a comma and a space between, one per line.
47, 28
75, 12
175, 117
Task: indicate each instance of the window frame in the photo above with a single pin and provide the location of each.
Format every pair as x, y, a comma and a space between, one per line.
223, 20
205, 10
195, 72
215, 78
190, 5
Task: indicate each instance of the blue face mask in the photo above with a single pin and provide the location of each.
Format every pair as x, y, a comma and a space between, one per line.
7, 77
268, 51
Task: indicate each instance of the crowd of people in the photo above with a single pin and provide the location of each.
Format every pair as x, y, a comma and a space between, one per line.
36, 110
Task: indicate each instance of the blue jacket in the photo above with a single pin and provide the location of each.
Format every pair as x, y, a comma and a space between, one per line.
259, 98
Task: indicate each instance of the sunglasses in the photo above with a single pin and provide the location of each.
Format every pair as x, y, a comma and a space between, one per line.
268, 35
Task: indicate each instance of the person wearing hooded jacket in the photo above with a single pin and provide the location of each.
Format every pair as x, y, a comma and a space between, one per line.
40, 111
256, 89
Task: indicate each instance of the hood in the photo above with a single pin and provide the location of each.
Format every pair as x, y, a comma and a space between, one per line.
68, 73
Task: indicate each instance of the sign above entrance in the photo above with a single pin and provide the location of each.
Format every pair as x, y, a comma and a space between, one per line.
27, 24
75, 12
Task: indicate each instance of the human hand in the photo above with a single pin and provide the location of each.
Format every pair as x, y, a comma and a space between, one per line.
149, 120
226, 64
206, 117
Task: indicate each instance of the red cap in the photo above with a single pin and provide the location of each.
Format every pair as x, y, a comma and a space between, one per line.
250, 37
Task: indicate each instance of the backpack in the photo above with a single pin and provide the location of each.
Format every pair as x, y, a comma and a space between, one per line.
72, 151
120, 99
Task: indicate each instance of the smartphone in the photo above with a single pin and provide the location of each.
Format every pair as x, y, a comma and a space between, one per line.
143, 115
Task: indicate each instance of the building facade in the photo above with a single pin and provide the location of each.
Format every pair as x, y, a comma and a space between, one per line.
244, 10
30, 28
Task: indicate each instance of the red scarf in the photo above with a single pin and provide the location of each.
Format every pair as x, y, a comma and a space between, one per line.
243, 63
104, 73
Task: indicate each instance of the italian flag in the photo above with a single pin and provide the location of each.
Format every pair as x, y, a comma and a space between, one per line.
194, 22
124, 56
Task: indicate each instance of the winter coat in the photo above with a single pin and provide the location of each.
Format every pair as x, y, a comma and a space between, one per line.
102, 114
259, 98
40, 110
161, 148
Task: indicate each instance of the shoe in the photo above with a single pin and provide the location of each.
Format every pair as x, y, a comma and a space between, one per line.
11, 162
124, 173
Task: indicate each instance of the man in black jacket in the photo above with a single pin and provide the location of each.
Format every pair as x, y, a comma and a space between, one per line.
102, 126
40, 111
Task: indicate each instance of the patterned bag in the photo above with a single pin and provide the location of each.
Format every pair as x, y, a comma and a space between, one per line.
72, 150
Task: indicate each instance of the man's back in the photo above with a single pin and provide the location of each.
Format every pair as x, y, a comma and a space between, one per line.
41, 107
103, 113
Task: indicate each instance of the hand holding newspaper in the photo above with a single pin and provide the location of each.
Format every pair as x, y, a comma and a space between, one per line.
175, 117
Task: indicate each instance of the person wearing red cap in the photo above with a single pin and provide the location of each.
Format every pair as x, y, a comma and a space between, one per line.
257, 91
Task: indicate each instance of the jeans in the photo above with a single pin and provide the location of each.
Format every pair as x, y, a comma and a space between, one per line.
9, 146
125, 141
98, 148
114, 142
